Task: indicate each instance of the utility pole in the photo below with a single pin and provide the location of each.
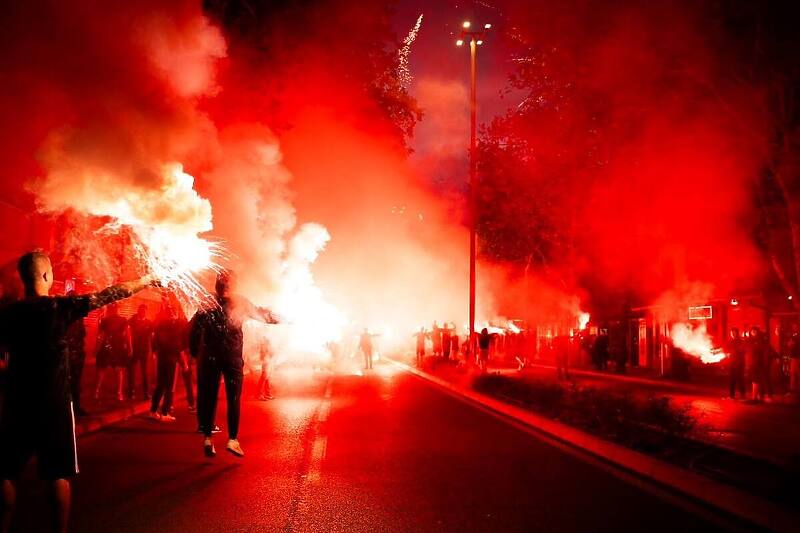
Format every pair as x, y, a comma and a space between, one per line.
475, 39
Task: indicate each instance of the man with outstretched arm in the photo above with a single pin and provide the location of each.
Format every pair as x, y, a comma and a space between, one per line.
37, 416
216, 341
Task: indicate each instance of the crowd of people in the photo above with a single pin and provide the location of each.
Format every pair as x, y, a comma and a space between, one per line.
753, 364
44, 337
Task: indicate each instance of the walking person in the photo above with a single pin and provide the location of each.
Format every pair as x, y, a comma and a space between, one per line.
141, 332
453, 341
113, 353
169, 340
37, 417
736, 363
216, 342
76, 356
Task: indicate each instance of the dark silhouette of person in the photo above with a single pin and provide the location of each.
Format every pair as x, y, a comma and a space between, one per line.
736, 349
484, 343
365, 345
420, 337
446, 345
216, 341
436, 339
113, 352
141, 330
37, 416
170, 338
755, 359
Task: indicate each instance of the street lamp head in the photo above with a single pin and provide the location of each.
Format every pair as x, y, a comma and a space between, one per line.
487, 26
459, 42
466, 24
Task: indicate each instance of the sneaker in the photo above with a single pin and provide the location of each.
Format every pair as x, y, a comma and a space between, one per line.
167, 418
234, 447
154, 416
208, 448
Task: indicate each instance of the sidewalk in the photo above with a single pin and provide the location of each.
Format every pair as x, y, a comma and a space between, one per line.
767, 431
109, 409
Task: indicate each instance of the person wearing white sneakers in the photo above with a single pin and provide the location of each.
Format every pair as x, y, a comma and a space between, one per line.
169, 340
216, 341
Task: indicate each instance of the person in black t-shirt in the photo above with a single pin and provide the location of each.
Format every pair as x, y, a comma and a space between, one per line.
37, 416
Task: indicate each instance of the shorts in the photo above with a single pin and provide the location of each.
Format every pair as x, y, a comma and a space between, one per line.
50, 436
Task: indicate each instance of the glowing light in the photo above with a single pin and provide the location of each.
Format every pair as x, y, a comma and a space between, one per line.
171, 248
696, 342
583, 320
459, 42
734, 301
487, 26
790, 297
466, 24
513, 328
479, 42
403, 69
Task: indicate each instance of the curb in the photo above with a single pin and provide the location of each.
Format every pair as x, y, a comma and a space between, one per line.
719, 496
91, 424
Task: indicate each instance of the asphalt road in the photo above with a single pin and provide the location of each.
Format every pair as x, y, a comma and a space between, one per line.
385, 452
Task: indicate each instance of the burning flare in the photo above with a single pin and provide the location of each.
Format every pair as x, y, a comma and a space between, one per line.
696, 342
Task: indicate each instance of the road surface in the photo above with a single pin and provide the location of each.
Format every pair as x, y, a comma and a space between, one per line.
384, 452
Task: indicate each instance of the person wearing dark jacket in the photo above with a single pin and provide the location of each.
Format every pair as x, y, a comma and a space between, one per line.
216, 341
141, 329
736, 353
169, 340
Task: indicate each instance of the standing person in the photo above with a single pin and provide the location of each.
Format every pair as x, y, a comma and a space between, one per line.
113, 353
754, 361
169, 340
420, 337
141, 331
562, 355
76, 356
794, 359
265, 356
216, 341
736, 362
37, 417
484, 343
446, 345
436, 339
453, 341
365, 345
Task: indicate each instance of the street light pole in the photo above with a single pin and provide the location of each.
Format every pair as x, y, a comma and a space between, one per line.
475, 39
